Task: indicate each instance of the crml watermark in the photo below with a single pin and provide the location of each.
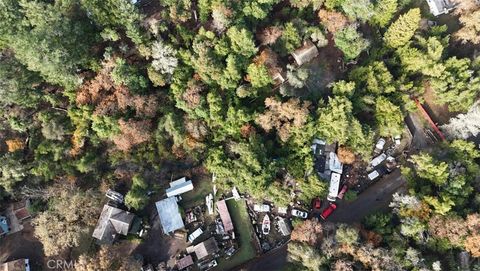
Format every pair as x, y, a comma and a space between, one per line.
60, 264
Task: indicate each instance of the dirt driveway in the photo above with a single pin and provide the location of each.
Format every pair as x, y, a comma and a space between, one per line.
376, 198
271, 261
157, 246
23, 245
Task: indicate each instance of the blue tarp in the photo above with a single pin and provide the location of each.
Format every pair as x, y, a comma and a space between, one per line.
3, 225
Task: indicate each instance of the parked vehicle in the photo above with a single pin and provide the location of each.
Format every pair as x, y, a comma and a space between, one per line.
327, 212
316, 204
229, 252
115, 196
208, 265
378, 160
342, 192
261, 208
298, 213
378, 172
266, 225
380, 145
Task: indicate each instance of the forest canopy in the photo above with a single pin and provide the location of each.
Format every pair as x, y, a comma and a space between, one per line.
97, 93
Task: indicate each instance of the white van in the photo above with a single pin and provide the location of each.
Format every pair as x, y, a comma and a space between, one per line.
378, 160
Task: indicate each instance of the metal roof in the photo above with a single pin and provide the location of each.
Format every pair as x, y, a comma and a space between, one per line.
179, 188
334, 185
184, 262
334, 163
225, 215
169, 215
438, 7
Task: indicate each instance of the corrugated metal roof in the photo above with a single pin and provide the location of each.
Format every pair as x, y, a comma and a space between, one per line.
438, 7
225, 215
178, 182
169, 215
180, 188
184, 262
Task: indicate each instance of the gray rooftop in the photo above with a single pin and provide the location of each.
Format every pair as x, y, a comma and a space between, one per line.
177, 188
438, 7
305, 53
169, 215
112, 221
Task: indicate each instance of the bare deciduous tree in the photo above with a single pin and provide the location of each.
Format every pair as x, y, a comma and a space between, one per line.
283, 116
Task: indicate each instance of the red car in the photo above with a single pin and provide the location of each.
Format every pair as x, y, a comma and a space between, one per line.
316, 204
342, 192
327, 212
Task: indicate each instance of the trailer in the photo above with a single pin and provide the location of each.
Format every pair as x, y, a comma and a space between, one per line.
334, 186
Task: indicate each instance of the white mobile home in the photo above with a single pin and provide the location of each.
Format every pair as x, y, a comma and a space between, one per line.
334, 186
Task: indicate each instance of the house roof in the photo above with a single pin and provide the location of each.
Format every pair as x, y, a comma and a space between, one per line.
305, 53
112, 221
438, 7
179, 188
22, 214
206, 248
169, 215
184, 262
17, 265
225, 215
19, 205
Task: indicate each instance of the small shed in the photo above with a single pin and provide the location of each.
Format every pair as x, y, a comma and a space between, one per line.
179, 186
195, 234
184, 262
16, 265
169, 214
206, 248
439, 7
305, 53
20, 209
225, 215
